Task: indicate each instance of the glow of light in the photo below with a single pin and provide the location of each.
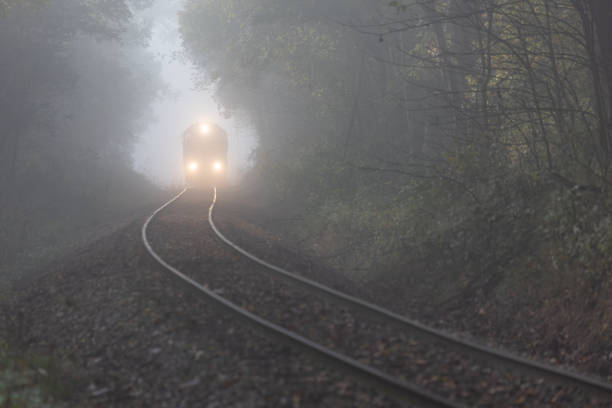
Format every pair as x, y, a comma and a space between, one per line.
193, 167
205, 128
217, 166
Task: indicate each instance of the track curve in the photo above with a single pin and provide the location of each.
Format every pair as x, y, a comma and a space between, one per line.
400, 389
504, 358
369, 376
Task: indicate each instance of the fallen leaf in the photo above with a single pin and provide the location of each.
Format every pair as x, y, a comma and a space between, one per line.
189, 384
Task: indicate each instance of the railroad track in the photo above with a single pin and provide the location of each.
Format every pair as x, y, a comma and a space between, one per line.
389, 384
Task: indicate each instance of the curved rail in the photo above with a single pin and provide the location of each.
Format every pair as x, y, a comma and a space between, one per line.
368, 375
476, 350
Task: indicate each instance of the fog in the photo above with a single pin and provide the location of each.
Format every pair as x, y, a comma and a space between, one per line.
158, 152
447, 160
91, 92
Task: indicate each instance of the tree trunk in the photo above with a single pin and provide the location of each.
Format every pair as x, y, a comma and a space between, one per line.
601, 11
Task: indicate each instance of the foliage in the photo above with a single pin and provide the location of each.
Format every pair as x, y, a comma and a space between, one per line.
77, 85
418, 121
32, 382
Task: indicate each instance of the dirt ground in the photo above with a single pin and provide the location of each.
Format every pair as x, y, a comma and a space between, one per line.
124, 334
564, 321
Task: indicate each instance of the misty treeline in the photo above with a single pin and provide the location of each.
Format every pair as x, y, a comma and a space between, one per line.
472, 134
75, 88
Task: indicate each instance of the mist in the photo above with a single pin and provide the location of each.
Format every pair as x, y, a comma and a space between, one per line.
158, 153
262, 203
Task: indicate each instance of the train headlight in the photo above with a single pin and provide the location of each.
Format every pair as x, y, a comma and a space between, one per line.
193, 167
205, 128
217, 166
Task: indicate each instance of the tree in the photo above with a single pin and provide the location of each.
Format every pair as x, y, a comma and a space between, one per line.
77, 85
469, 92
448, 108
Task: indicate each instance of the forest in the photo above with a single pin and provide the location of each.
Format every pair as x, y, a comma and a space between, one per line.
402, 130
449, 160
77, 85
455, 148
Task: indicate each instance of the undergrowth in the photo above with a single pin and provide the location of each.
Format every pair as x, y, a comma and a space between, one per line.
522, 231
31, 381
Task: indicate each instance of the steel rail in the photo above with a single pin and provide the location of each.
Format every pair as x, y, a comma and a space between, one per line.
503, 358
369, 376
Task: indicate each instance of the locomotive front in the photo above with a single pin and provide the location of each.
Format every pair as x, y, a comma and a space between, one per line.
205, 155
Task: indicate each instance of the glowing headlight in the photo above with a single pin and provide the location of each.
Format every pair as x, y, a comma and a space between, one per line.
193, 167
205, 128
217, 166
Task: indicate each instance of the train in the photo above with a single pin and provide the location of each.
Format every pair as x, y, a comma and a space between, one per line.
205, 155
